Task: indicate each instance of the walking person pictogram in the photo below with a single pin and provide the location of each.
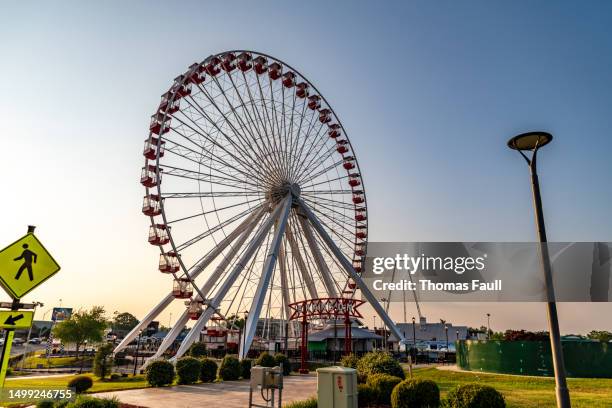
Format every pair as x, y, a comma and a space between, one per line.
27, 256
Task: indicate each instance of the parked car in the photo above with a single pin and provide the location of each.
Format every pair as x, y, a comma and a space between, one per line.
35, 340
18, 341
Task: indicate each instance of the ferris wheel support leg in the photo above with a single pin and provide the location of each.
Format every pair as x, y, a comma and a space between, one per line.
318, 256
170, 337
194, 273
264, 282
297, 255
194, 333
346, 264
284, 288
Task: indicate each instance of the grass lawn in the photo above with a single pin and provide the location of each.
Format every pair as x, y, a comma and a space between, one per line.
532, 392
122, 383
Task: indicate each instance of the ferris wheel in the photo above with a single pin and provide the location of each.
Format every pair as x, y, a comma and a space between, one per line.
255, 196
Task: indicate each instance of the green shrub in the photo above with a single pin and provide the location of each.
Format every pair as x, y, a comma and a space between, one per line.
383, 385
349, 361
115, 376
80, 383
208, 370
415, 393
160, 373
308, 403
103, 361
245, 368
45, 404
188, 370
366, 396
475, 396
379, 363
229, 370
92, 402
284, 360
197, 349
265, 360
61, 404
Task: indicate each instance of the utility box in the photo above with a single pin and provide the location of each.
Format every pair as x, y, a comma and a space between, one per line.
337, 387
266, 377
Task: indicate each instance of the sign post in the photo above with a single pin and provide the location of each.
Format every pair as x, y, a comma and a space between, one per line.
24, 265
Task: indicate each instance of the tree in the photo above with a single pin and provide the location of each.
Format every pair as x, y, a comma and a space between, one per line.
197, 349
103, 362
603, 336
124, 322
82, 326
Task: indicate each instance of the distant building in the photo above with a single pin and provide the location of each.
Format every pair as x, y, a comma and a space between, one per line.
432, 332
331, 338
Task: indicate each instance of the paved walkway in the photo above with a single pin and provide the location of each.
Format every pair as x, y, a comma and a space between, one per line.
227, 394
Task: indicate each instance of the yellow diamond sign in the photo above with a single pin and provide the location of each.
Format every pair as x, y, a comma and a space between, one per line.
24, 265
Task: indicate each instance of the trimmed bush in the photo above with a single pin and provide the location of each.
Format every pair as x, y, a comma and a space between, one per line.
208, 370
160, 373
188, 370
114, 377
245, 368
383, 385
197, 350
80, 383
309, 403
415, 393
265, 360
475, 396
379, 363
92, 402
284, 360
45, 404
366, 396
349, 361
230, 368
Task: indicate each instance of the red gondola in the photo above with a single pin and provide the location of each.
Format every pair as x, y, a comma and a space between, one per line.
301, 90
244, 62
179, 88
168, 107
334, 130
275, 70
357, 266
182, 289
260, 64
360, 214
228, 63
325, 115
212, 66
194, 310
288, 79
196, 74
160, 123
151, 146
168, 262
354, 180
158, 234
314, 102
361, 235
149, 177
151, 205
358, 198
349, 163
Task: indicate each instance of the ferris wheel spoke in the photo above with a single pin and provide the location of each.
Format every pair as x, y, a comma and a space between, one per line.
318, 258
214, 194
216, 210
245, 147
217, 158
272, 138
321, 172
348, 240
294, 144
261, 121
199, 130
303, 161
198, 175
318, 192
325, 181
212, 230
340, 204
295, 253
316, 160
312, 122
262, 156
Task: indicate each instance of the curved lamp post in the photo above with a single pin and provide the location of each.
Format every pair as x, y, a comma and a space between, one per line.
532, 142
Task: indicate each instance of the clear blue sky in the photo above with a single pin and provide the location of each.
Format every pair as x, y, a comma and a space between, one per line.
429, 93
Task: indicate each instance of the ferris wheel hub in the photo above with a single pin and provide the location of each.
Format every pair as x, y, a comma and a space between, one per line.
277, 193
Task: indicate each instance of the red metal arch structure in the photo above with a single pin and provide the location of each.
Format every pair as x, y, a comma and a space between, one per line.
324, 308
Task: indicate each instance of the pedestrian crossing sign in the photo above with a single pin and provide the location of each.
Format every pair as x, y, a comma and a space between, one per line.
24, 265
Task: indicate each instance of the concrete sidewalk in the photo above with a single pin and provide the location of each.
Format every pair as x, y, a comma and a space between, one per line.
227, 394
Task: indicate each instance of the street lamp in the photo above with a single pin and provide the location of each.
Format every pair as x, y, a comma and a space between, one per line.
136, 355
414, 338
446, 332
488, 326
533, 141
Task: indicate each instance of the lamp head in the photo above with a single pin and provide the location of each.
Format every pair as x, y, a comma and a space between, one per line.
529, 140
